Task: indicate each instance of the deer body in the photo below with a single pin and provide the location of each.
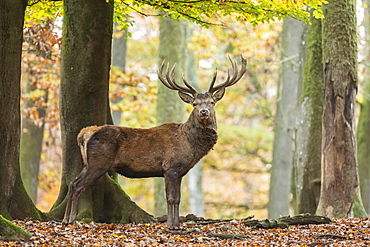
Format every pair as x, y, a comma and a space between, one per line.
169, 150
140, 153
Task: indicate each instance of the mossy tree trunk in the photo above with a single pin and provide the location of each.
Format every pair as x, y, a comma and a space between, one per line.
11, 232
86, 57
14, 200
339, 177
172, 49
281, 171
309, 121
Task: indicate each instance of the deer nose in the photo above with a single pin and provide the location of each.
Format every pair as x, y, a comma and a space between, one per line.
204, 112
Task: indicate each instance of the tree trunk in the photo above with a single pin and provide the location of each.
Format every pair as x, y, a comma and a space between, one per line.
119, 50
86, 53
363, 140
14, 200
363, 146
31, 144
172, 49
196, 197
281, 171
339, 162
309, 124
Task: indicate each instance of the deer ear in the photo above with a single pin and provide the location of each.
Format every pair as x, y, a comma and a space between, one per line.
186, 98
219, 94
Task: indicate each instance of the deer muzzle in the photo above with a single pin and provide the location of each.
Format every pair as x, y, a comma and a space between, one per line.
204, 113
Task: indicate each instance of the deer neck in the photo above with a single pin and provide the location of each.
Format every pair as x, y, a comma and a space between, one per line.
201, 135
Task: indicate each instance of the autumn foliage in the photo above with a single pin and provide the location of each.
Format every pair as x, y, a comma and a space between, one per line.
341, 232
248, 114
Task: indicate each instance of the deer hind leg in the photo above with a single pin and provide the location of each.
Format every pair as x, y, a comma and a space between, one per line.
173, 195
88, 176
98, 155
71, 191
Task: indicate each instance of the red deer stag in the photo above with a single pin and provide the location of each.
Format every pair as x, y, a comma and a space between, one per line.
169, 150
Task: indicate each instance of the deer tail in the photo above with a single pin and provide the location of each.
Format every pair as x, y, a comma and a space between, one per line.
82, 139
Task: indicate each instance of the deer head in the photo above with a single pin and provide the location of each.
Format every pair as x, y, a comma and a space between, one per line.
203, 103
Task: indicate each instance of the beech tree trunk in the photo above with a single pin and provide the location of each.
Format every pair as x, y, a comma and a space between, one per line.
119, 50
172, 49
31, 145
363, 147
194, 176
86, 57
363, 128
339, 161
14, 200
309, 124
282, 164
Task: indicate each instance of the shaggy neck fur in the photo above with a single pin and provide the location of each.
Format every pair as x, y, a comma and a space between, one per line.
203, 134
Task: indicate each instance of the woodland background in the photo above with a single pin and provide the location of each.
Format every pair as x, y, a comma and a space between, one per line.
236, 175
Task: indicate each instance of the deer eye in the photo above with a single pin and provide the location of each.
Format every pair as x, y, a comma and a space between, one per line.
212, 102
195, 104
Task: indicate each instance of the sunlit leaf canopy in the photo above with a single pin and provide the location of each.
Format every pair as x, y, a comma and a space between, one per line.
201, 12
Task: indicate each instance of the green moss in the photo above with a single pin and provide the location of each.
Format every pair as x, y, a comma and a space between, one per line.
9, 231
358, 207
308, 164
340, 45
313, 84
85, 206
313, 90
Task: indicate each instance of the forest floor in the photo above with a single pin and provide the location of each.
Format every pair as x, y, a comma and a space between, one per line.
339, 232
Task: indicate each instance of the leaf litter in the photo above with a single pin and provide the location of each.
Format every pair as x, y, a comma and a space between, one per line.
339, 232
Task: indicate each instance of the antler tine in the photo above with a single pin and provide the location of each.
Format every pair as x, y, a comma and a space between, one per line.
161, 78
235, 77
213, 81
171, 77
242, 71
169, 80
188, 89
191, 88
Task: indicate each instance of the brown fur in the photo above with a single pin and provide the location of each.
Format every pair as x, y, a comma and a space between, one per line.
82, 138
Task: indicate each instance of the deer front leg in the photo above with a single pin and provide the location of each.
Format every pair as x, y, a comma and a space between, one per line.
173, 195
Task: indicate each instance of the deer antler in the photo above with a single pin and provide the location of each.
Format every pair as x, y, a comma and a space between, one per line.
169, 81
236, 75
